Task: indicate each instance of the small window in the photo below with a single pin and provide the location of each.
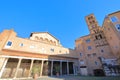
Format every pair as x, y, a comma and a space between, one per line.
32, 46
109, 29
42, 50
89, 47
93, 21
96, 37
96, 63
94, 54
100, 36
118, 27
90, 22
52, 50
81, 62
95, 31
9, 43
21, 44
60, 51
88, 40
114, 19
110, 38
88, 18
78, 45
102, 50
91, 17
80, 54
88, 55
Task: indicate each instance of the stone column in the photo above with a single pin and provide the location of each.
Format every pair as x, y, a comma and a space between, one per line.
3, 67
41, 70
18, 65
31, 68
51, 68
67, 68
60, 67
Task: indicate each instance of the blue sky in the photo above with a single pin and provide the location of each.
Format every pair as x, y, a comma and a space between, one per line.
64, 19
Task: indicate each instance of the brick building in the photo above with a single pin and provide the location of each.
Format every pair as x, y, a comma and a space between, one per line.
100, 50
97, 53
19, 55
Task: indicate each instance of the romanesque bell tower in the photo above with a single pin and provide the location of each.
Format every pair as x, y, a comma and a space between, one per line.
92, 24
96, 31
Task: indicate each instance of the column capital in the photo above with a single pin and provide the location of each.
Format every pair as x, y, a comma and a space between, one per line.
20, 58
52, 60
68, 61
32, 59
61, 60
43, 60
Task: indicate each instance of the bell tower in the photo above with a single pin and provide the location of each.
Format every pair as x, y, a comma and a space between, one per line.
96, 31
92, 24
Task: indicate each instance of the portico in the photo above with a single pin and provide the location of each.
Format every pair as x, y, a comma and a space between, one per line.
19, 67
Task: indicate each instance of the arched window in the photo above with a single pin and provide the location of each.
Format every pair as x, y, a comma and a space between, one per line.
54, 43
94, 31
91, 17
93, 21
46, 40
41, 39
81, 54
88, 18
100, 36
36, 38
96, 37
50, 41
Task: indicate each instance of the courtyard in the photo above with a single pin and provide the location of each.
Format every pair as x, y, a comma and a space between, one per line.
77, 78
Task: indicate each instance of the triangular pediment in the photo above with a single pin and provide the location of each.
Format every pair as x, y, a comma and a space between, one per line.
44, 37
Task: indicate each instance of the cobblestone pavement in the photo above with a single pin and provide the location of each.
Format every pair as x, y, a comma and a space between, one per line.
70, 78
77, 78
59, 78
56, 78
